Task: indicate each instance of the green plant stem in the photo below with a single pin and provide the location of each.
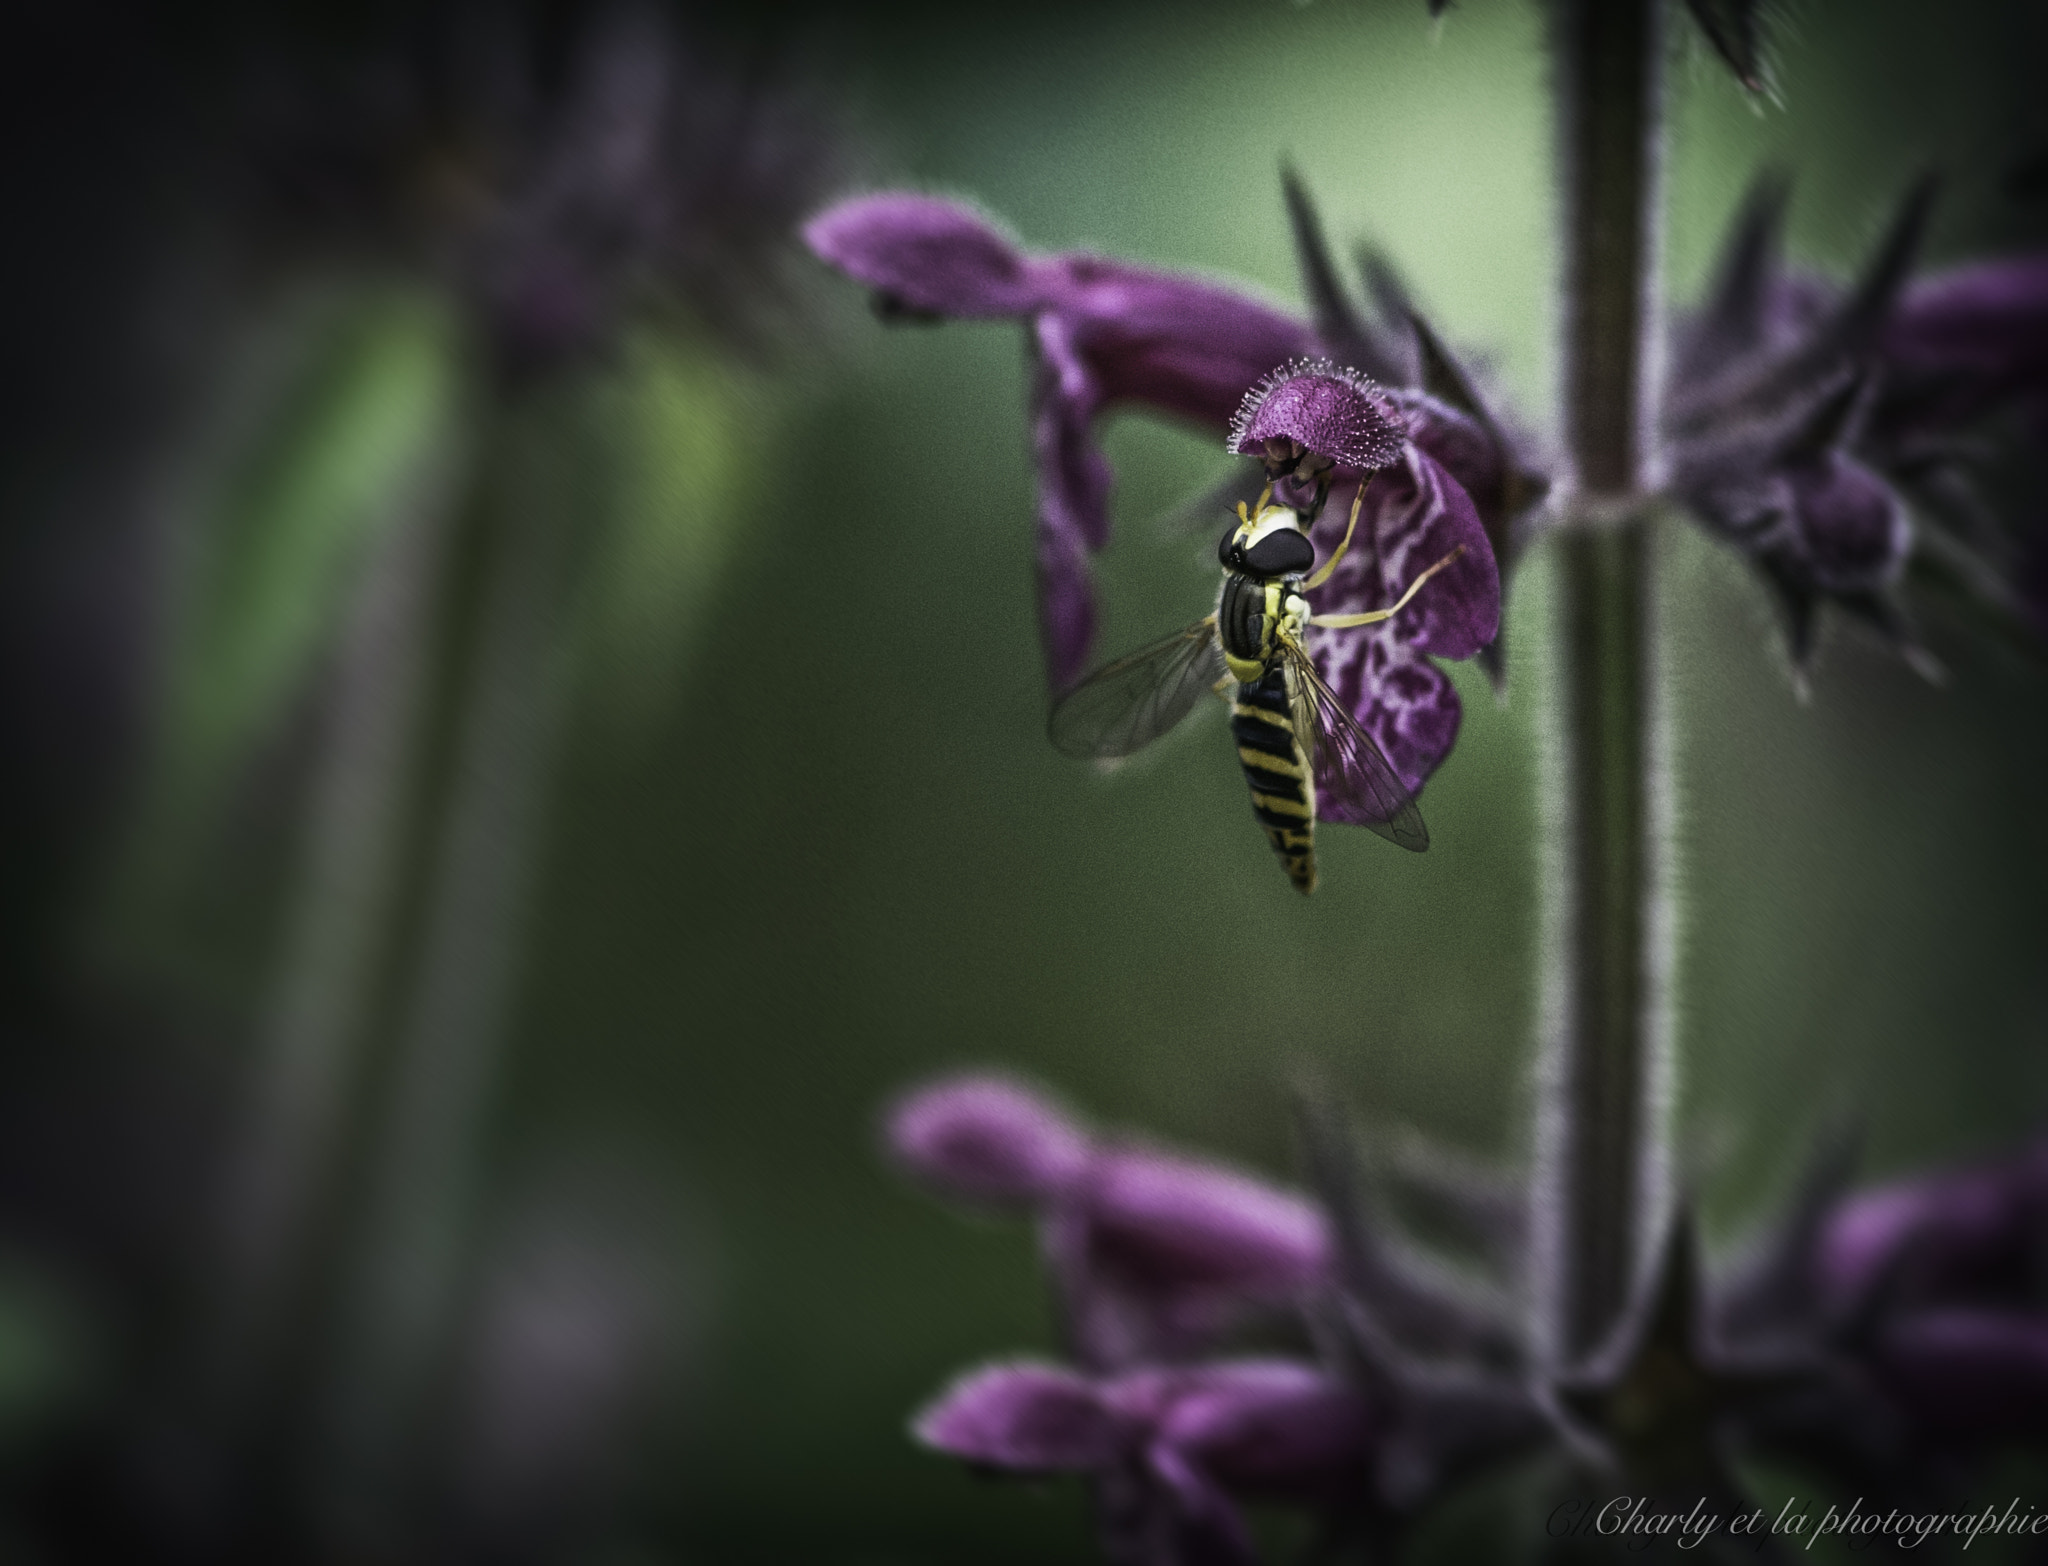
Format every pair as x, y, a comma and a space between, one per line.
456, 1005
1601, 1160
310, 1047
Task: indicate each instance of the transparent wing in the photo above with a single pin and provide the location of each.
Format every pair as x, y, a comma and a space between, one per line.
1355, 783
1124, 706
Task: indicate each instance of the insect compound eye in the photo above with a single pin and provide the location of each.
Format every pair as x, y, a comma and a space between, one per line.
1282, 552
1230, 552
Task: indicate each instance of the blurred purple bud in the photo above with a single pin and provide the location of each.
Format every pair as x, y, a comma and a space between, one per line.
987, 1138
1963, 1234
1170, 1222
1032, 1418
1963, 341
1173, 1448
1269, 1427
1974, 1376
1852, 530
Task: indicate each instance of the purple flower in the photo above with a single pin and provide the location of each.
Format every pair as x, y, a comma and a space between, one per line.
1415, 513
1171, 1450
1154, 1253
1105, 333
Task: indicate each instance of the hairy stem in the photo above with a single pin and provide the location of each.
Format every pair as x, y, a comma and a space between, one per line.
1599, 1192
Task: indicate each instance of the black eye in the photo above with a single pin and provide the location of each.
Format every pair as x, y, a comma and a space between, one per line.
1282, 552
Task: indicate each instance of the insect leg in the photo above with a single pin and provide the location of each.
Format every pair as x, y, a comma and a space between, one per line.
1344, 622
1351, 527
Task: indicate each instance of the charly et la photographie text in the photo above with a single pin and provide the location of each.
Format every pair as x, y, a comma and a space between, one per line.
1638, 1522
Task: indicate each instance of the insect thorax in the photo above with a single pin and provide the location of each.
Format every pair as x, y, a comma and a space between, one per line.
1249, 616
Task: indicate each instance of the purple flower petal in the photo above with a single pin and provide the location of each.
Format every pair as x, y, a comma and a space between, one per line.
1029, 1417
1472, 456
1073, 499
1176, 344
931, 255
1322, 408
1414, 515
987, 1138
1403, 701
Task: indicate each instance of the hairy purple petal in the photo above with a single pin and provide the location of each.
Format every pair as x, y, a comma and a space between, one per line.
1976, 1375
987, 1138
1028, 1417
931, 255
1403, 701
1414, 514
1323, 408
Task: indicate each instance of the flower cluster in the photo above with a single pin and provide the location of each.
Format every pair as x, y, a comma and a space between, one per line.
1870, 1332
1106, 334
1158, 1261
1940, 1286
1822, 431
1819, 429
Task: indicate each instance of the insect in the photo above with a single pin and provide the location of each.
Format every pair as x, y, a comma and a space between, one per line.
1303, 753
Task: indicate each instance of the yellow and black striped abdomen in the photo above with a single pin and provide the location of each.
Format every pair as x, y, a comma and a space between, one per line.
1283, 792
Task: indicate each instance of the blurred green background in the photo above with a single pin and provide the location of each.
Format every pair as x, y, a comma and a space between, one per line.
802, 840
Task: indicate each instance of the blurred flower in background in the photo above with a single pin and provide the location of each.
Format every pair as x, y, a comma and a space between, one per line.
454, 368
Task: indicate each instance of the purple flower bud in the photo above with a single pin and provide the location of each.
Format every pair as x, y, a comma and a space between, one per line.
1154, 1253
1852, 531
987, 1138
1962, 341
1969, 1375
1964, 1236
1157, 1256
1169, 1223
1269, 1427
1031, 1418
1175, 1448
1313, 406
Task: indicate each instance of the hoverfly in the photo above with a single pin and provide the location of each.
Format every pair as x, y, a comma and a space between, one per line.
1303, 753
